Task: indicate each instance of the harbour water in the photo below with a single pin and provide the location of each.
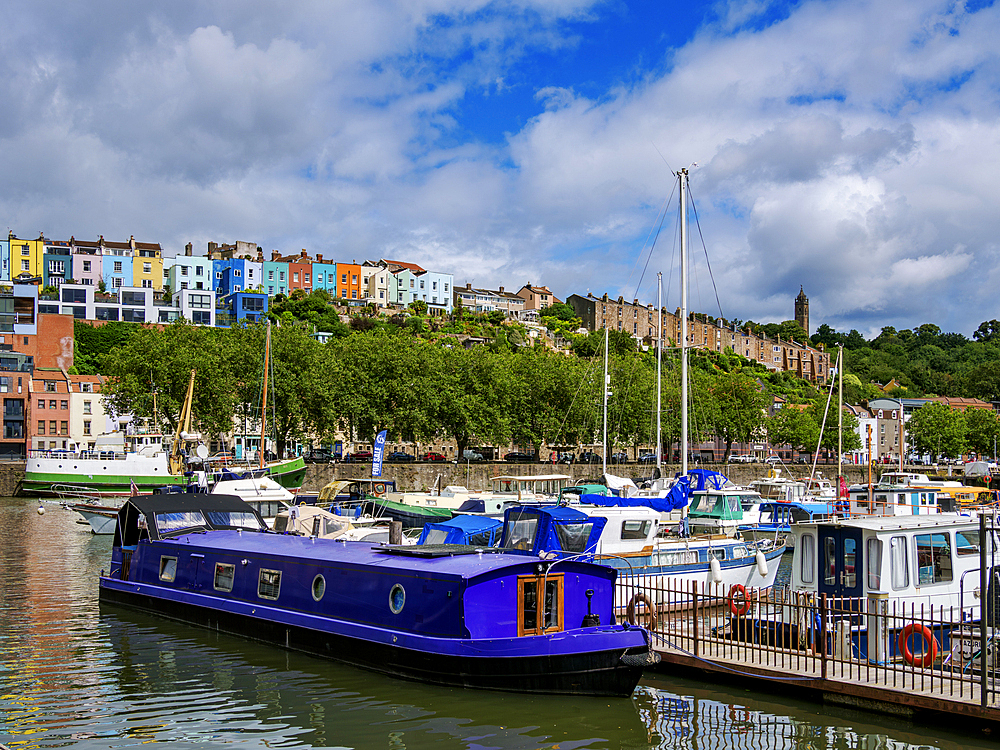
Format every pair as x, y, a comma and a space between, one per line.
74, 674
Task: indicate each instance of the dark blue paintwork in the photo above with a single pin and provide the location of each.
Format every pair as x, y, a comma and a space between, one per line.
462, 610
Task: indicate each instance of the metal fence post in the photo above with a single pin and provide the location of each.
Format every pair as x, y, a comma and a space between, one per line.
697, 614
822, 635
985, 606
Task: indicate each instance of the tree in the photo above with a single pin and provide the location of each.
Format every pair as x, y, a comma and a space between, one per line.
983, 381
793, 427
740, 408
418, 307
560, 311
937, 429
988, 331
982, 429
849, 438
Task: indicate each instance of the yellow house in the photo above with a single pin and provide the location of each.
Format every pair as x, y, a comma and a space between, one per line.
25, 257
147, 264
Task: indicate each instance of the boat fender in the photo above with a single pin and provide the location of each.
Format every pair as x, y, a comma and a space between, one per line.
739, 602
761, 564
41, 510
930, 643
650, 613
716, 569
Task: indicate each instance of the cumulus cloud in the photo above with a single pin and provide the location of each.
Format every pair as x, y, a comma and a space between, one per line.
844, 146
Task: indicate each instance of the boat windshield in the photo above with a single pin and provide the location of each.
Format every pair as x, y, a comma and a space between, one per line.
179, 521
231, 519
573, 536
522, 533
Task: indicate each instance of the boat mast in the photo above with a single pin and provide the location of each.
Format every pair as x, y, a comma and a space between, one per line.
604, 447
263, 406
659, 358
683, 178
840, 421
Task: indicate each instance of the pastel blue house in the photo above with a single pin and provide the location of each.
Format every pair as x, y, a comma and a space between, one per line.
5, 260
248, 306
57, 265
275, 275
230, 275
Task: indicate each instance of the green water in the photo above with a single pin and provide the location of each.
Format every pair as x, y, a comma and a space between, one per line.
73, 674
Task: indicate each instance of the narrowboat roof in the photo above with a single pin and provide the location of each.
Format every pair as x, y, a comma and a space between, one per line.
895, 523
365, 555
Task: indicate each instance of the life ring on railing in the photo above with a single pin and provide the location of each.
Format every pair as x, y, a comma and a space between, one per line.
930, 652
378, 489
630, 613
743, 606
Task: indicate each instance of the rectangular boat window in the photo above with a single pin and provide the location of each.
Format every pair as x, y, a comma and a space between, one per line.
168, 568
807, 557
235, 519
967, 542
873, 555
830, 561
573, 536
224, 575
933, 558
436, 536
717, 554
686, 557
177, 520
530, 620
635, 529
269, 584
898, 566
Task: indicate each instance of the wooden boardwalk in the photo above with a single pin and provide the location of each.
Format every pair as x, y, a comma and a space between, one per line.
936, 693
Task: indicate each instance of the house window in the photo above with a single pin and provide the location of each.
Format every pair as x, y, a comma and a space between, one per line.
64, 428
184, 270
281, 275
343, 278
86, 266
270, 275
237, 273
41, 403
25, 250
295, 276
218, 275
147, 284
118, 266
64, 404
41, 426
147, 267
52, 427
50, 386
199, 271
86, 428
25, 265
86, 407
117, 282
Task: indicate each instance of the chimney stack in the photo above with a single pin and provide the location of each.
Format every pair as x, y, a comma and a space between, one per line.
275, 255
319, 257
188, 248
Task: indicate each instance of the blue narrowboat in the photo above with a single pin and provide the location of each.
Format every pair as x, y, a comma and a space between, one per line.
460, 616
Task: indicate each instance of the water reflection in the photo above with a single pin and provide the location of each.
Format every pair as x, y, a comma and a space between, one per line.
74, 674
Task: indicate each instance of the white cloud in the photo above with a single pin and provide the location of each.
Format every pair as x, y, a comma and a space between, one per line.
847, 148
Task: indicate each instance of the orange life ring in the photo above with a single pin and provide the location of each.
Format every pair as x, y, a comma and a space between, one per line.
650, 613
930, 653
738, 609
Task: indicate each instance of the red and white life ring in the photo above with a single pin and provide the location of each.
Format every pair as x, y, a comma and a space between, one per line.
743, 606
930, 642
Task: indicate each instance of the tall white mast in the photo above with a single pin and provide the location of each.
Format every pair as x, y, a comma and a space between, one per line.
607, 383
659, 358
683, 178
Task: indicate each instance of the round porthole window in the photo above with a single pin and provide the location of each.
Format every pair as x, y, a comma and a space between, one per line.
319, 587
397, 598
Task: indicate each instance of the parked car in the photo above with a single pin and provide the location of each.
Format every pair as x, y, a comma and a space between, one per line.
433, 456
773, 460
619, 458
319, 456
470, 455
589, 457
400, 457
646, 458
359, 456
521, 456
742, 459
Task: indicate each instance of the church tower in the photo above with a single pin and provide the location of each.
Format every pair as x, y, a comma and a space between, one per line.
802, 310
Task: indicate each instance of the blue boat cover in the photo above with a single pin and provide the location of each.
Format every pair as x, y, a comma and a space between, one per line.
706, 479
676, 498
465, 530
557, 529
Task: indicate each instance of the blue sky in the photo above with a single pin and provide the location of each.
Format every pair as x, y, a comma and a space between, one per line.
844, 146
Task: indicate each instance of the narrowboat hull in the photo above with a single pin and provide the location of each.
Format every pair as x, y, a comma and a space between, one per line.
591, 661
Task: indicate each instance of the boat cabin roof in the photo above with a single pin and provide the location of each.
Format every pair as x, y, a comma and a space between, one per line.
559, 529
162, 515
894, 523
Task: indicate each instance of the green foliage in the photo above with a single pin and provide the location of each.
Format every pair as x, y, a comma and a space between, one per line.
90, 342
739, 408
937, 429
561, 311
418, 307
794, 427
982, 430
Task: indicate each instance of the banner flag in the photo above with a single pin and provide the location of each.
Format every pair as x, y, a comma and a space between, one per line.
378, 453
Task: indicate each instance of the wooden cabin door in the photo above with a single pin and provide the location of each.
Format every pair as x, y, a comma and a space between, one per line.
841, 564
